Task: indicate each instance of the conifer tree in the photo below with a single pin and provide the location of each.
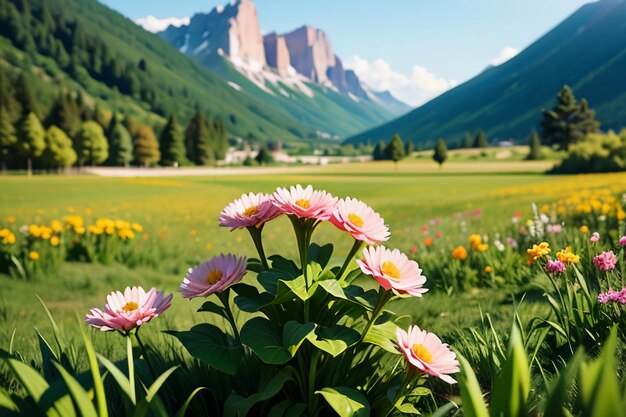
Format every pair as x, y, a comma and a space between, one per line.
409, 148
585, 118
64, 114
171, 144
120, 144
468, 141
145, 144
8, 139
535, 152
59, 152
91, 144
395, 150
441, 152
31, 142
25, 96
379, 151
264, 157
481, 140
198, 141
220, 139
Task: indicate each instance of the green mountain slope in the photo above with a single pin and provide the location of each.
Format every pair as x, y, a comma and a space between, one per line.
81, 44
587, 51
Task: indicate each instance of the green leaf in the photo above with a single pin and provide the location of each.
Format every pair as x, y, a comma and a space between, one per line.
265, 340
31, 380
98, 385
320, 254
294, 334
445, 410
332, 287
472, 401
255, 265
249, 299
357, 295
212, 346
296, 286
559, 393
144, 404
183, 409
334, 339
236, 405
6, 402
78, 393
510, 389
346, 402
407, 408
212, 307
122, 380
382, 335
48, 356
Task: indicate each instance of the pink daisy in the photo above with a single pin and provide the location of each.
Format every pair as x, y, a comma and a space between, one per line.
360, 220
304, 202
605, 261
393, 270
249, 210
426, 352
212, 276
129, 310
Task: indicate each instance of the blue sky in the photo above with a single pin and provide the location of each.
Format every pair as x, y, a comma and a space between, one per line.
433, 43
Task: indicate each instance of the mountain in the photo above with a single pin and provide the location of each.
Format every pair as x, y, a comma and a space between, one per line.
87, 48
297, 72
587, 51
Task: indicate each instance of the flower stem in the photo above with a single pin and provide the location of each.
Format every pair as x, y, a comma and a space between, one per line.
131, 369
312, 375
383, 297
255, 233
355, 248
144, 351
224, 298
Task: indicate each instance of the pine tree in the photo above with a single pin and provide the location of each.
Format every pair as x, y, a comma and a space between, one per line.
171, 144
441, 152
120, 144
25, 96
145, 144
220, 140
535, 152
8, 139
101, 117
481, 140
395, 150
31, 142
198, 141
379, 151
91, 144
64, 114
409, 148
568, 122
264, 157
468, 141
59, 152
7, 99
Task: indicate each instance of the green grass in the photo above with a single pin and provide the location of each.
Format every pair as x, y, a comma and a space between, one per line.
180, 220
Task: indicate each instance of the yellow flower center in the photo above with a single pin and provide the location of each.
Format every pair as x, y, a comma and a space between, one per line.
305, 204
130, 306
421, 352
214, 276
355, 220
391, 270
251, 211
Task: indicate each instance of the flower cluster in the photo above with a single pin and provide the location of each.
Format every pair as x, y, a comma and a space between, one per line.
613, 296
537, 252
605, 261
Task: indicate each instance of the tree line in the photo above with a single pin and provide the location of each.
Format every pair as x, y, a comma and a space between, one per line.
71, 133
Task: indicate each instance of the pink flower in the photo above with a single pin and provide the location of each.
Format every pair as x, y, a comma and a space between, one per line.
249, 210
554, 229
595, 237
358, 219
612, 296
304, 202
129, 310
605, 261
413, 249
622, 241
393, 270
426, 352
438, 235
555, 267
214, 275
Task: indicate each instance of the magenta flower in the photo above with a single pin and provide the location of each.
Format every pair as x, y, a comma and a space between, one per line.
595, 237
129, 310
613, 296
212, 276
393, 270
304, 202
622, 241
360, 220
426, 352
605, 261
555, 267
251, 210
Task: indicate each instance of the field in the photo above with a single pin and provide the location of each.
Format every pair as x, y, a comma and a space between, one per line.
429, 212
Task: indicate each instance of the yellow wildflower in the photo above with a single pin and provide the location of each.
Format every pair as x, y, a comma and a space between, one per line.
475, 241
56, 226
488, 269
459, 253
482, 247
567, 256
537, 251
33, 256
34, 230
54, 241
584, 229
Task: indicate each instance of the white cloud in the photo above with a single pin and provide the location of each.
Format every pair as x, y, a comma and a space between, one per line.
154, 24
415, 88
505, 54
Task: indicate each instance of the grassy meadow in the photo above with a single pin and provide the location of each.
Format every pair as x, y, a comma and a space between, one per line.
179, 217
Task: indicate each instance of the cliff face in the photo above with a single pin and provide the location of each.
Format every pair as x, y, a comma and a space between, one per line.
276, 53
244, 35
311, 53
